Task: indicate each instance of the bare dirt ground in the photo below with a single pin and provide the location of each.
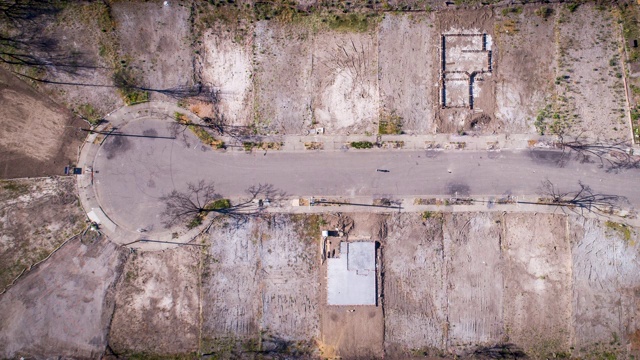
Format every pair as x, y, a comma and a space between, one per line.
157, 304
345, 83
606, 289
407, 72
537, 283
227, 65
356, 334
160, 52
514, 278
290, 76
37, 136
474, 269
282, 78
469, 284
415, 310
252, 299
64, 306
590, 72
36, 216
525, 62
82, 30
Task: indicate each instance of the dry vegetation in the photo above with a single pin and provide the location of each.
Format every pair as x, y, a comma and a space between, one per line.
36, 216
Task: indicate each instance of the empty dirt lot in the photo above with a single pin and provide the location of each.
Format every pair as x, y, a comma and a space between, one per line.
37, 136
549, 65
457, 283
467, 281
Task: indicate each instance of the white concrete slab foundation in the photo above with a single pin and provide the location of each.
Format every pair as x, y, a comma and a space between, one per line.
351, 277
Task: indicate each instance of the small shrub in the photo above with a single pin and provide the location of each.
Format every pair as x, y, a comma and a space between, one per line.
89, 113
361, 144
544, 12
127, 87
507, 27
512, 10
195, 222
390, 124
573, 6
219, 204
431, 215
622, 229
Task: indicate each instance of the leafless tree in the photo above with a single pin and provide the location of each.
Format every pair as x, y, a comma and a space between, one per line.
199, 200
613, 156
581, 200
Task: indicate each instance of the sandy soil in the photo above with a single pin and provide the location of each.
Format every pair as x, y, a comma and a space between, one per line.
37, 136
407, 72
537, 283
354, 334
590, 72
227, 65
282, 78
158, 297
63, 307
414, 293
24, 242
260, 301
160, 51
525, 62
606, 288
474, 276
345, 82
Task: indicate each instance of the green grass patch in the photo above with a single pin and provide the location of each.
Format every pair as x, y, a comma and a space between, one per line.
89, 113
352, 22
361, 144
127, 85
572, 7
201, 133
250, 145
512, 10
390, 124
206, 138
219, 204
623, 230
426, 215
195, 222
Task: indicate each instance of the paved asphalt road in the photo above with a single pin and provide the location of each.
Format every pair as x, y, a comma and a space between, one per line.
133, 172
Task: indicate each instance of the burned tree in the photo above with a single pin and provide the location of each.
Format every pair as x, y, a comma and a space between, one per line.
613, 156
191, 207
581, 200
